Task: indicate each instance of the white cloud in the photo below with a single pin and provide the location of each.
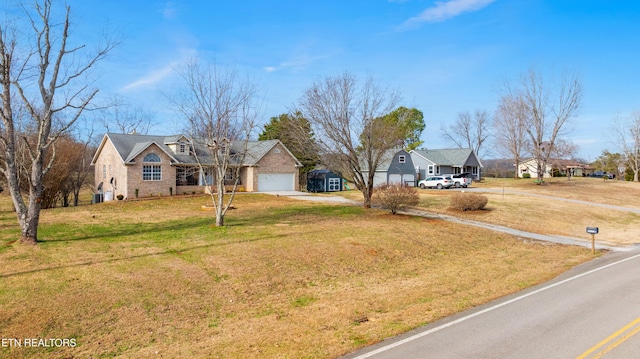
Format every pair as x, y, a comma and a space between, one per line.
155, 76
169, 11
298, 63
152, 78
445, 10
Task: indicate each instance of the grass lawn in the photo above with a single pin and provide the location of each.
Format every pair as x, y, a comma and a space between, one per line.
284, 278
546, 215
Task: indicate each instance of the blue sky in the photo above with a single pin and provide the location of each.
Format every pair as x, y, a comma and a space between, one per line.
444, 56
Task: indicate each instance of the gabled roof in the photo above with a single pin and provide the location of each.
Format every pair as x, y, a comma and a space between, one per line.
385, 160
455, 157
129, 146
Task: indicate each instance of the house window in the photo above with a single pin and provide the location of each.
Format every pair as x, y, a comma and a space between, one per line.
182, 148
430, 170
151, 157
334, 184
228, 176
151, 173
402, 159
437, 170
187, 176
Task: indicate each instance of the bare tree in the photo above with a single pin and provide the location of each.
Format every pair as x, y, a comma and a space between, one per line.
79, 171
628, 137
343, 113
469, 131
509, 127
220, 109
547, 110
51, 84
121, 117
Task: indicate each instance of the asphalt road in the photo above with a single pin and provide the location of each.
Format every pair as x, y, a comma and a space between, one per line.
591, 311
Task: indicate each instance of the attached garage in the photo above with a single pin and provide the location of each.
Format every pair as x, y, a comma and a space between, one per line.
406, 179
270, 182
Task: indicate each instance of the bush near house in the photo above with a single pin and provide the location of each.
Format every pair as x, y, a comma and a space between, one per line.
468, 201
395, 197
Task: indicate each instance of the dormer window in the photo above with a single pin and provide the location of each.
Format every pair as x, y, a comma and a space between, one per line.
182, 148
402, 159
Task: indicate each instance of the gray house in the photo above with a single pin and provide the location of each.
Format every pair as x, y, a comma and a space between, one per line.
396, 166
446, 161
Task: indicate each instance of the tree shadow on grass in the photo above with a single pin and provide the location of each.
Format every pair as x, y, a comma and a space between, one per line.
299, 214
132, 257
112, 231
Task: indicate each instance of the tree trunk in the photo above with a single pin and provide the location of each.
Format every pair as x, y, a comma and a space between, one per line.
220, 200
367, 193
29, 223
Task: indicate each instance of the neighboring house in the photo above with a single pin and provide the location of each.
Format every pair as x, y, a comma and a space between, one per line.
142, 165
446, 161
555, 167
395, 166
324, 181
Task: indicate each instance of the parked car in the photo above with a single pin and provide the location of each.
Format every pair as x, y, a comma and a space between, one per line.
461, 179
601, 174
438, 182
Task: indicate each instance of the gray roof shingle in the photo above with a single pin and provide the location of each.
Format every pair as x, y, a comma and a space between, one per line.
456, 157
129, 146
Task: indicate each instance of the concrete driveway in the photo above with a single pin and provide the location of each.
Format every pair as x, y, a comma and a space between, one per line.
306, 196
328, 198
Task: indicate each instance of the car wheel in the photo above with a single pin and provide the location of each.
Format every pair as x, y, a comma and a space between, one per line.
422, 186
457, 185
465, 186
439, 186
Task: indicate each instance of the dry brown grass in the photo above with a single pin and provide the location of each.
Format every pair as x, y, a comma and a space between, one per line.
284, 279
545, 215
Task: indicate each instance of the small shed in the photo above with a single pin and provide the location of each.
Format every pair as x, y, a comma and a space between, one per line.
323, 181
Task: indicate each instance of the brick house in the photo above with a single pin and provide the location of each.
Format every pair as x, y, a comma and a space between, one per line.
135, 165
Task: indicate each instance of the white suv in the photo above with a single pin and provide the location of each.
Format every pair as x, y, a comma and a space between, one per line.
438, 182
461, 179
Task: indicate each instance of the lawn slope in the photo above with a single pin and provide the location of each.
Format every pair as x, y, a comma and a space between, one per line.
284, 279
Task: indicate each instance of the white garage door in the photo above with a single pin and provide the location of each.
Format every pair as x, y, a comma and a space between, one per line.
395, 179
269, 182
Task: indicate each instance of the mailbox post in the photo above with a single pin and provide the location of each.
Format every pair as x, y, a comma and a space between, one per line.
593, 231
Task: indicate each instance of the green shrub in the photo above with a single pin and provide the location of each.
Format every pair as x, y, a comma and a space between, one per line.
526, 175
395, 197
468, 201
